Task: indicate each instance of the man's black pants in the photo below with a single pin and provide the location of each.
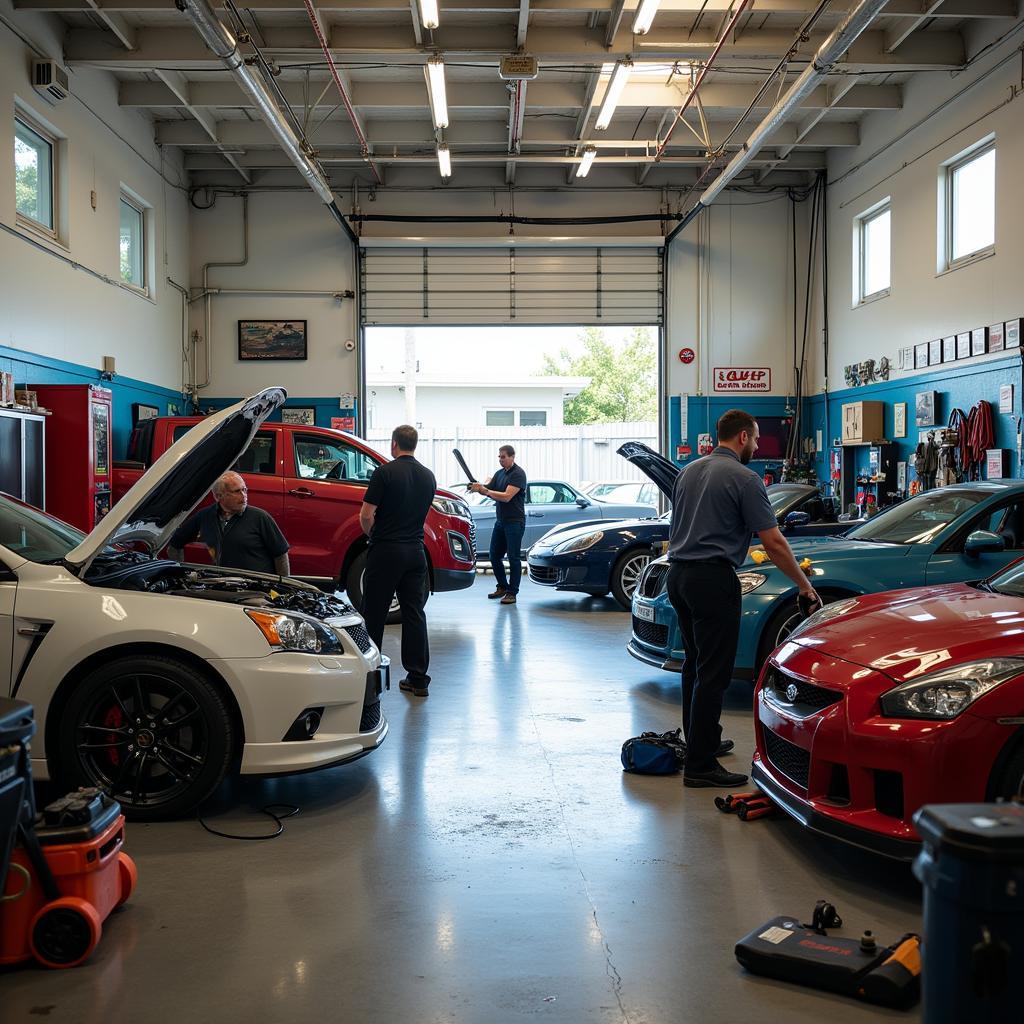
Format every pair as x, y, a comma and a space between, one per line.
399, 569
706, 597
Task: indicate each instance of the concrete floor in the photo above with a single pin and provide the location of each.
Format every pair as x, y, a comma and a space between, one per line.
489, 863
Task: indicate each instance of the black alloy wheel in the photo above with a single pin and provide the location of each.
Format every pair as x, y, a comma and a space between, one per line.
150, 731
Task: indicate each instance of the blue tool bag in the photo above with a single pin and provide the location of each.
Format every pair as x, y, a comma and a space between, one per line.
653, 753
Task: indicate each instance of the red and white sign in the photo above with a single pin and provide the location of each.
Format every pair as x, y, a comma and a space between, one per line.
687, 355
744, 379
347, 423
683, 451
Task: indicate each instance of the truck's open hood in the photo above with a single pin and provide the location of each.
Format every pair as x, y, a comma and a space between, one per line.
166, 493
653, 465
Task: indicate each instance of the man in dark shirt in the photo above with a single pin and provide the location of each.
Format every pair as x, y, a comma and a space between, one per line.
237, 535
717, 503
392, 515
508, 488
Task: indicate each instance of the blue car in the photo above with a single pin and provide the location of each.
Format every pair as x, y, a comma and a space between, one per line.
594, 558
954, 534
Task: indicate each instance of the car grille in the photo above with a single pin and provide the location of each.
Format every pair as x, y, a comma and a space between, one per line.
543, 574
653, 582
794, 762
371, 717
359, 637
650, 632
472, 539
808, 698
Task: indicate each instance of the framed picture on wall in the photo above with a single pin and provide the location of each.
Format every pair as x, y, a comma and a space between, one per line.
906, 359
921, 355
949, 349
979, 338
935, 352
1012, 333
963, 345
899, 419
925, 408
271, 339
141, 411
305, 417
172, 409
996, 338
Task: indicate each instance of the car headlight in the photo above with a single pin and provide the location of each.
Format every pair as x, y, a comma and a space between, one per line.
450, 507
949, 692
588, 540
824, 614
295, 632
750, 581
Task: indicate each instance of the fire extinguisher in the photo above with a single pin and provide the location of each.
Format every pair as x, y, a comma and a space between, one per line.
768, 478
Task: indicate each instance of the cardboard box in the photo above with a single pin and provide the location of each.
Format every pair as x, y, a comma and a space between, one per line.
26, 398
863, 422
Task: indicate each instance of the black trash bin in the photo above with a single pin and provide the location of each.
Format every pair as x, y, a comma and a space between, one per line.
17, 726
972, 869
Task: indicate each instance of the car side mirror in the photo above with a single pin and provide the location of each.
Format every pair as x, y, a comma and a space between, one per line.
583, 502
797, 519
981, 541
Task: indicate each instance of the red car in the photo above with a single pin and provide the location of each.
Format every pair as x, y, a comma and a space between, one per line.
880, 704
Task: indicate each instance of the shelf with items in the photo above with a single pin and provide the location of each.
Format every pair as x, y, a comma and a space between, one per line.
867, 476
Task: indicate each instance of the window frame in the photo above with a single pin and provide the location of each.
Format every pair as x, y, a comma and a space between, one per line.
51, 231
861, 222
533, 412
132, 200
510, 412
949, 169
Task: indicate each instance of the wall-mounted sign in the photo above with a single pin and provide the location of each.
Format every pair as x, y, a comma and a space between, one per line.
744, 379
705, 446
683, 451
1006, 398
687, 355
347, 423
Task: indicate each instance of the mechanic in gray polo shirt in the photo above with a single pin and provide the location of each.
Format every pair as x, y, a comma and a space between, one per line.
717, 503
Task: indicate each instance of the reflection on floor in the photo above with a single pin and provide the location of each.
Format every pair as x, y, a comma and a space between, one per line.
490, 863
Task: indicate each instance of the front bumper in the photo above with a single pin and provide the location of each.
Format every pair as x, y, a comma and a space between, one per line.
650, 657
453, 579
582, 571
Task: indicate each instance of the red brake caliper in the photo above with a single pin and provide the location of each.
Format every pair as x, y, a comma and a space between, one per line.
115, 719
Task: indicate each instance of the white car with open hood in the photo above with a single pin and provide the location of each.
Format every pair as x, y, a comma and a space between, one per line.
152, 679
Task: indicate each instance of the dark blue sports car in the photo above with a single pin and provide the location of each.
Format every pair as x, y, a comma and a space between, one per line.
595, 558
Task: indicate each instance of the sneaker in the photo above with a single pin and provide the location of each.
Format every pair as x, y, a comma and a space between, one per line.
500, 592
508, 598
416, 691
725, 747
716, 776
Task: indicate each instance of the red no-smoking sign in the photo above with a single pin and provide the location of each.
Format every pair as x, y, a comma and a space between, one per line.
687, 355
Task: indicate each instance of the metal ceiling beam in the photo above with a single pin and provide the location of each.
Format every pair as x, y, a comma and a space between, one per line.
898, 35
115, 22
180, 48
524, 21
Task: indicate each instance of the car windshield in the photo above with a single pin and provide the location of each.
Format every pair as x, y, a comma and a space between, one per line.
33, 534
920, 519
1009, 581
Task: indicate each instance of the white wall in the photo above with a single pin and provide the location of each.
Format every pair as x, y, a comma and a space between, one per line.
47, 306
924, 304
442, 407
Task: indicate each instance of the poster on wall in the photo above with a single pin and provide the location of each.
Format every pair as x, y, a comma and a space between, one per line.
921, 355
899, 424
1006, 398
935, 352
745, 379
963, 345
1012, 333
995, 338
949, 349
906, 359
346, 423
978, 340
925, 409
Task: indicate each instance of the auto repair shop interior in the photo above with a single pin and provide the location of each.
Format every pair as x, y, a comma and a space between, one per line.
808, 210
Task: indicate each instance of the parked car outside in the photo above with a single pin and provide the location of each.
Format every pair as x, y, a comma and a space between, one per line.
595, 559
550, 503
151, 679
949, 535
878, 705
638, 491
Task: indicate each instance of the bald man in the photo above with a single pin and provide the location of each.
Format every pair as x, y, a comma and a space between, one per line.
237, 535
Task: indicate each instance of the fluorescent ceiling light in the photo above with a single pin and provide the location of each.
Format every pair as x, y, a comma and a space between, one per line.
644, 16
444, 160
620, 75
583, 168
434, 70
428, 13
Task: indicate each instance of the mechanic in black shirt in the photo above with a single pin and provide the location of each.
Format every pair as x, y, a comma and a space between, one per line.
396, 504
237, 535
508, 488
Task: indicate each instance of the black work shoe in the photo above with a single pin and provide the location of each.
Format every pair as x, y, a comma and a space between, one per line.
725, 747
416, 691
508, 598
500, 592
716, 776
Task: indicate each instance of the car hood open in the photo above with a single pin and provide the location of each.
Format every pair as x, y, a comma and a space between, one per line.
909, 633
170, 489
651, 464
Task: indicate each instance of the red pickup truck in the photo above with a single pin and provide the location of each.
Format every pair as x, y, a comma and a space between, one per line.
312, 481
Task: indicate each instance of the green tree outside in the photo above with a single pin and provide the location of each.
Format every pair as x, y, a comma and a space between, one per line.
623, 381
26, 181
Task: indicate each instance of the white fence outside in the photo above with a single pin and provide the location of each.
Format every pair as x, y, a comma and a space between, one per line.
576, 454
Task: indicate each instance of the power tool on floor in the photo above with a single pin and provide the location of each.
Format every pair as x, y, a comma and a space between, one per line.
805, 954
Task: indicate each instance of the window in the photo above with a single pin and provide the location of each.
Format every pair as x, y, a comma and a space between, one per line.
34, 153
970, 201
533, 418
133, 244
873, 260
501, 418
259, 456
318, 459
550, 494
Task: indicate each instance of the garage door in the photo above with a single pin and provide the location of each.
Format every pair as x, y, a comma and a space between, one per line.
447, 285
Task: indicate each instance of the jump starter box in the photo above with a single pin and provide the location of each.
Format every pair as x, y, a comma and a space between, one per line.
784, 949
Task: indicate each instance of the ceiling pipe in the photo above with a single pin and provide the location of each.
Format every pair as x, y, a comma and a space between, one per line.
219, 38
821, 64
